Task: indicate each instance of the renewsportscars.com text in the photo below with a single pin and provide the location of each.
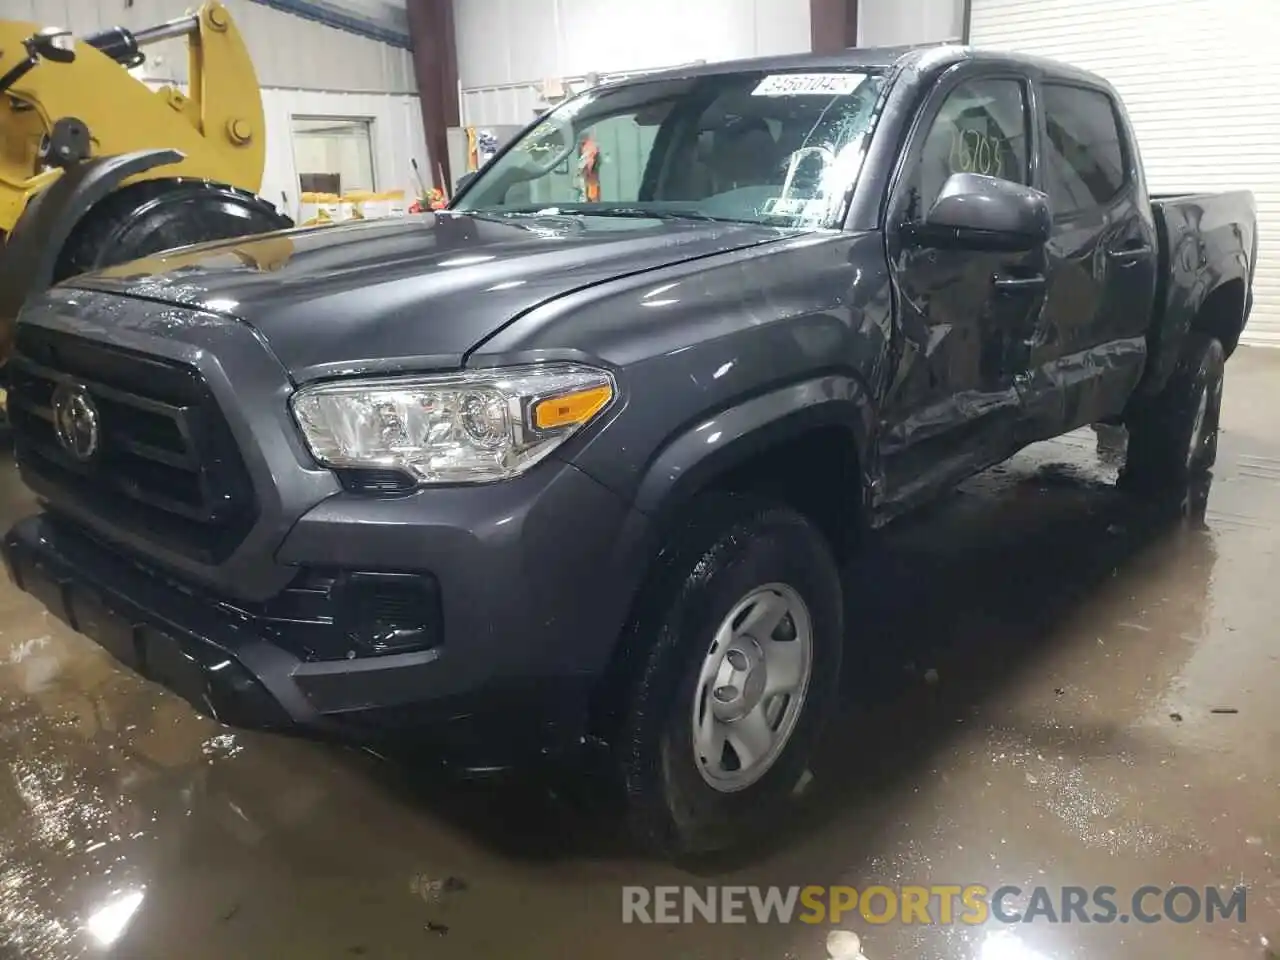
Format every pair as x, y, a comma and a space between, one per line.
935, 904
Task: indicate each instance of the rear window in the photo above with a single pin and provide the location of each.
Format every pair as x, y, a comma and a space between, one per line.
1085, 160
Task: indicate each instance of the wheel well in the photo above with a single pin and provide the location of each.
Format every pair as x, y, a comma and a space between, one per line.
816, 474
1222, 314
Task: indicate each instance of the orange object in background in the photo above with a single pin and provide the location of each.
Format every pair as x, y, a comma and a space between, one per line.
589, 169
433, 199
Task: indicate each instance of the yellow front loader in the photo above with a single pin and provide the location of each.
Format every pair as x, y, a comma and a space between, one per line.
97, 168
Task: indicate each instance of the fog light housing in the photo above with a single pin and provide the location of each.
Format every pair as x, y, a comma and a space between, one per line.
386, 613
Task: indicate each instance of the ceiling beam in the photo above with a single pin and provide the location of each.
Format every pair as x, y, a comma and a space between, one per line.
333, 15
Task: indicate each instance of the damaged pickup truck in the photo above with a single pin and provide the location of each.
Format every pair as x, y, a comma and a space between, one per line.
578, 460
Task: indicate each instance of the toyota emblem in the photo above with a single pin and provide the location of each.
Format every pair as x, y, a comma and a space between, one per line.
75, 418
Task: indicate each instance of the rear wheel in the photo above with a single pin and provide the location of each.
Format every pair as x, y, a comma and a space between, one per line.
741, 635
1173, 442
146, 218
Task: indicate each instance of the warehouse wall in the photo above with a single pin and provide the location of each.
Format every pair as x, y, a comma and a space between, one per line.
396, 133
305, 68
288, 51
506, 48
890, 22
386, 17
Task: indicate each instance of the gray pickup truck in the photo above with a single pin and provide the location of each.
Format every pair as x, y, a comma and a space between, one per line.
579, 459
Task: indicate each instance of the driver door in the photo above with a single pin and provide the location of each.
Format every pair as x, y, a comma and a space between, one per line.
965, 316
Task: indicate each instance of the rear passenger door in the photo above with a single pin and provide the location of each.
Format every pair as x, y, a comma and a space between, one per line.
1089, 346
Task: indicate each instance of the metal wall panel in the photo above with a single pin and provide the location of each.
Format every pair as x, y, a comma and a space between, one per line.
288, 51
885, 23
519, 103
506, 48
396, 136
375, 19
1199, 79
305, 68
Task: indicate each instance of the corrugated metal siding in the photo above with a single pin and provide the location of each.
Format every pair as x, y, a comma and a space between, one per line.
887, 23
507, 48
1199, 79
396, 135
396, 138
519, 103
374, 20
287, 51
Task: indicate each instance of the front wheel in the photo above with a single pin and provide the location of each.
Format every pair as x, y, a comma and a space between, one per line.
742, 634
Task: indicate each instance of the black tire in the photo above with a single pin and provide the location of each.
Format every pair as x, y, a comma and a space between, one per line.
1169, 446
730, 547
156, 215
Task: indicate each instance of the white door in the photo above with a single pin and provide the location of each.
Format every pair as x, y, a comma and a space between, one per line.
1201, 82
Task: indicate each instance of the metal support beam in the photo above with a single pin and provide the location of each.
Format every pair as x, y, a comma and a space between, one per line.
833, 25
332, 15
435, 67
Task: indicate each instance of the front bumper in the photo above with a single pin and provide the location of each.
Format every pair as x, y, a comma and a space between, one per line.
186, 641
531, 579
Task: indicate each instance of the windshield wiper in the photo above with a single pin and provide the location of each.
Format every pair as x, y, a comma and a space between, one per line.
555, 212
640, 212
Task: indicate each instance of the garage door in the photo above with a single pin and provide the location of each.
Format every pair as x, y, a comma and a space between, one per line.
1201, 82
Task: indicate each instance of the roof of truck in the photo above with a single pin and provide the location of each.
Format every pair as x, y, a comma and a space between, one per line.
920, 56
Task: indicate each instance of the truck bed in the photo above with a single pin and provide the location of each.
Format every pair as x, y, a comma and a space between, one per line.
1207, 242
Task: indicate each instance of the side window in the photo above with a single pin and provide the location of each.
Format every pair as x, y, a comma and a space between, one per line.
980, 128
1084, 161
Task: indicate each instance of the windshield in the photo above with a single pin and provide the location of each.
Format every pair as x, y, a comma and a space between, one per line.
782, 149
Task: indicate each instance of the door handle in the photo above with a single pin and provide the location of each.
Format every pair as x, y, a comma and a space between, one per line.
1017, 284
1128, 252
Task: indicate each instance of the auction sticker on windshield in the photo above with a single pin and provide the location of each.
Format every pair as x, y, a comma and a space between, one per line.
801, 84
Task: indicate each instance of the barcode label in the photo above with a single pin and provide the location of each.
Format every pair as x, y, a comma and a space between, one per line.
804, 84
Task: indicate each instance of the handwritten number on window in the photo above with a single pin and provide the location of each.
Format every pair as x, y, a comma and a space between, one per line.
971, 152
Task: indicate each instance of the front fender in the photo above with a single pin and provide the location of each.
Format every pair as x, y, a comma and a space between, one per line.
31, 251
731, 437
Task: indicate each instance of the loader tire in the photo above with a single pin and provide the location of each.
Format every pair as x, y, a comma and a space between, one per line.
157, 215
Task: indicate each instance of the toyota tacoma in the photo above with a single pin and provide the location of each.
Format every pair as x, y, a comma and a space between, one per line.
578, 459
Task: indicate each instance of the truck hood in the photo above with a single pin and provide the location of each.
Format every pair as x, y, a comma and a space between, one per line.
415, 292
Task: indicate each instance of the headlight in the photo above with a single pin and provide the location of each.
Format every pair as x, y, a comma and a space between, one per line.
467, 427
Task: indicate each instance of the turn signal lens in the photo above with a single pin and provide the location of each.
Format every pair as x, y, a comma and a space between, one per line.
571, 409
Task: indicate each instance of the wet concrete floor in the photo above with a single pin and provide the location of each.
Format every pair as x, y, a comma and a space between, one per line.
1067, 735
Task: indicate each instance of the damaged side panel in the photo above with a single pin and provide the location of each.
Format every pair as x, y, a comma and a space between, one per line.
954, 406
761, 347
1208, 243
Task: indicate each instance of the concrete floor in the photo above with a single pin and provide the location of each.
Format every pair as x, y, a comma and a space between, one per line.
1080, 646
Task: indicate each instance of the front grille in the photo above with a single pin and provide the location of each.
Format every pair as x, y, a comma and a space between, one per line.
166, 465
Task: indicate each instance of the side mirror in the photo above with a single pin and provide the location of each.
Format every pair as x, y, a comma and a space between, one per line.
461, 183
976, 212
54, 44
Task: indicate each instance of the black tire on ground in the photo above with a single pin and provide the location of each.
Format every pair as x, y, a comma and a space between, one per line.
1174, 439
730, 547
156, 215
